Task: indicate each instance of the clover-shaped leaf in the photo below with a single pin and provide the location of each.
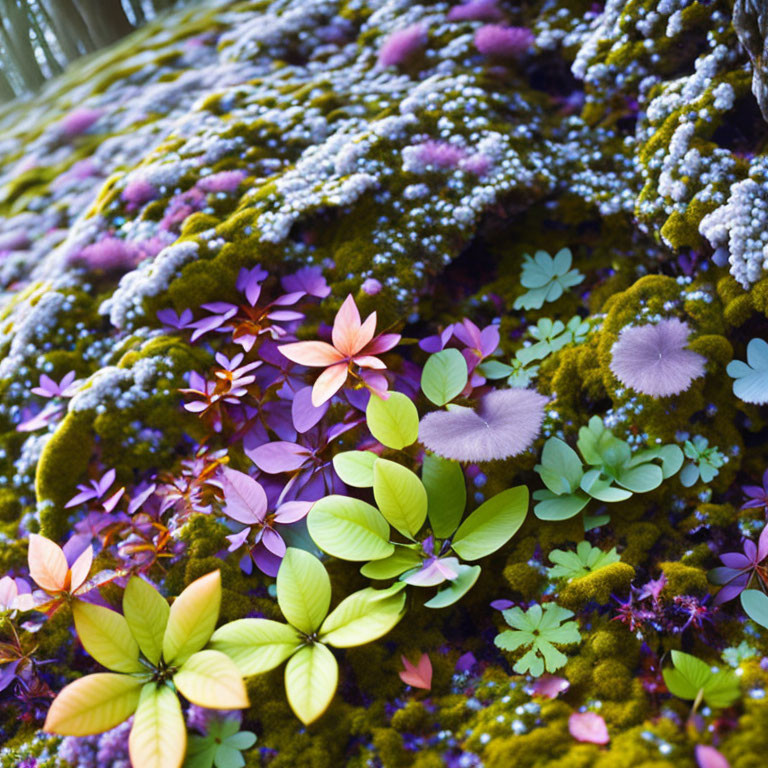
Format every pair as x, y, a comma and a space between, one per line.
546, 278
541, 627
690, 678
751, 378
220, 747
585, 560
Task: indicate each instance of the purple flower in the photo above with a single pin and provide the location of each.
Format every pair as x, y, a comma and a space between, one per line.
49, 388
308, 280
371, 286
225, 181
653, 360
108, 254
138, 192
440, 154
739, 569
79, 121
401, 46
503, 42
172, 321
505, 424
31, 422
758, 496
475, 10
96, 490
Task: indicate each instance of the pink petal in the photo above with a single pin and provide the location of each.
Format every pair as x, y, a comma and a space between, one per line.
709, 757
346, 328
549, 686
368, 361
588, 726
8, 593
418, 675
328, 383
273, 541
80, 569
292, 511
312, 353
236, 540
382, 343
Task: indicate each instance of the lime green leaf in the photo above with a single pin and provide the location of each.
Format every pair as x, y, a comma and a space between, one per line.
303, 590
456, 589
398, 562
211, 679
400, 496
192, 618
311, 676
256, 645
444, 377
349, 529
446, 494
106, 636
755, 604
158, 736
492, 524
93, 704
364, 616
146, 612
690, 677
394, 422
561, 468
355, 468
585, 560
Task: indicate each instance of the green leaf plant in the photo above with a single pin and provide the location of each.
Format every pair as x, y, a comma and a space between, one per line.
154, 653
584, 561
612, 474
304, 596
692, 679
352, 529
541, 627
704, 461
546, 278
221, 746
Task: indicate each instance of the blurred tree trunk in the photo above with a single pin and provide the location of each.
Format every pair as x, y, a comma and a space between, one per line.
68, 26
106, 20
6, 91
14, 31
53, 63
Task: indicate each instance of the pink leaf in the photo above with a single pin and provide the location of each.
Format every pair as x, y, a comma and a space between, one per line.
709, 757
279, 456
328, 383
588, 726
314, 354
244, 499
419, 675
304, 414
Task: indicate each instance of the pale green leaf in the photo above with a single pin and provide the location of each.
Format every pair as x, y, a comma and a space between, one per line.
211, 679
394, 422
146, 612
106, 636
444, 376
456, 589
158, 736
446, 493
303, 590
355, 468
401, 560
400, 496
311, 677
256, 645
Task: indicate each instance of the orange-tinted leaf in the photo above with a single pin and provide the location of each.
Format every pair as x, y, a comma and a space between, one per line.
419, 675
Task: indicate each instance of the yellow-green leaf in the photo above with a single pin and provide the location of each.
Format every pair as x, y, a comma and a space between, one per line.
303, 590
394, 422
93, 704
446, 494
256, 645
192, 618
158, 736
211, 679
106, 636
146, 612
400, 496
311, 676
364, 616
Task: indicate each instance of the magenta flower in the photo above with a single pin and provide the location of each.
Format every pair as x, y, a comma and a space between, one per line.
504, 424
475, 10
402, 45
138, 192
503, 42
653, 360
246, 502
440, 154
739, 569
371, 286
49, 388
353, 345
224, 181
107, 254
79, 120
95, 490
709, 757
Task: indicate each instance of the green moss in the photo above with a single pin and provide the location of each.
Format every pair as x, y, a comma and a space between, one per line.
597, 586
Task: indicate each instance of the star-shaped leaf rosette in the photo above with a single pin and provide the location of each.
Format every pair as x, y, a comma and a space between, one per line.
304, 597
352, 529
353, 353
154, 652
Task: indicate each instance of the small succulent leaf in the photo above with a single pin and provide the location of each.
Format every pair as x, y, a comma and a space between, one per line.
211, 679
494, 369
303, 590
93, 704
444, 376
362, 617
355, 468
400, 496
755, 604
106, 636
689, 475
256, 645
192, 618
642, 478
446, 493
751, 378
311, 677
394, 422
158, 736
561, 468
146, 612
456, 589
349, 529
553, 507
401, 560
687, 677
492, 524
